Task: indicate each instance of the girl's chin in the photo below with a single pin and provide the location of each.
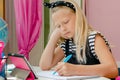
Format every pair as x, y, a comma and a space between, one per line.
67, 37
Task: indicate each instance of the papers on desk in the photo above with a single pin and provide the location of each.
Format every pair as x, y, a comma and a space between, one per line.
48, 74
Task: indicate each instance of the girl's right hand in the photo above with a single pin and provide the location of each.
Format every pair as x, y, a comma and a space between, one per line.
56, 34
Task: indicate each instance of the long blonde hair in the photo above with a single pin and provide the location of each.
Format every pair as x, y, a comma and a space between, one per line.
82, 30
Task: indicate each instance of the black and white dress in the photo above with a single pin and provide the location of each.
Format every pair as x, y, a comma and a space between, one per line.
91, 58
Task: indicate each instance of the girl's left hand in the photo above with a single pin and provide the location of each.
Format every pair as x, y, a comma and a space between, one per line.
65, 69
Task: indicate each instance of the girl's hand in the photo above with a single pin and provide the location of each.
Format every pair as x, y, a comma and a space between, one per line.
65, 69
56, 34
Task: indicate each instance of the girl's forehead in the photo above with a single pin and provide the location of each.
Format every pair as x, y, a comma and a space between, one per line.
60, 16
62, 12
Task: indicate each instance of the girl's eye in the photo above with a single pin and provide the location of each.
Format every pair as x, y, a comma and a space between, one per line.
66, 22
58, 26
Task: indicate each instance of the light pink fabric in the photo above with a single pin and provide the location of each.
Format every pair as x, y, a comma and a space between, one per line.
28, 24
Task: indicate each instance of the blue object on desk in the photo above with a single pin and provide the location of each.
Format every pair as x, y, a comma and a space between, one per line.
65, 60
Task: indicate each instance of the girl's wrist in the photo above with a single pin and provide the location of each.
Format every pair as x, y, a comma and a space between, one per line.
54, 40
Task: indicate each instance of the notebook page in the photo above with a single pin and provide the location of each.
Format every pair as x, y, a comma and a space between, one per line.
48, 74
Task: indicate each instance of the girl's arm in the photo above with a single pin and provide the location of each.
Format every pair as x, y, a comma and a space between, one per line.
107, 66
52, 53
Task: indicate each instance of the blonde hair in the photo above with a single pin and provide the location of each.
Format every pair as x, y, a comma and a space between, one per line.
82, 30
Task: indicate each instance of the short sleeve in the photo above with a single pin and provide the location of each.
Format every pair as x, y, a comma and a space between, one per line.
91, 40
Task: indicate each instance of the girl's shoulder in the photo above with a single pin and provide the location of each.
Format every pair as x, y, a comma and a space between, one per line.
91, 42
93, 34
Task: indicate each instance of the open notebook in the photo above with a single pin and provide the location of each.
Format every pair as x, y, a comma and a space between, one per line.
49, 74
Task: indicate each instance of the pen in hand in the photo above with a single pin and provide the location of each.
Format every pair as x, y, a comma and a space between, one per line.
65, 60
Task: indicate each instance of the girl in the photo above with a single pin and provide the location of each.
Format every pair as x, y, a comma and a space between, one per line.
71, 34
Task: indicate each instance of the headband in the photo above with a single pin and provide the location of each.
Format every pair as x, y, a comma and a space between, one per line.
59, 3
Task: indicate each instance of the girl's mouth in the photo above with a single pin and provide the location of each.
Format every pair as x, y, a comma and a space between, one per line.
66, 33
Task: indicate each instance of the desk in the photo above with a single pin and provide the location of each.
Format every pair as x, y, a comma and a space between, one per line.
37, 69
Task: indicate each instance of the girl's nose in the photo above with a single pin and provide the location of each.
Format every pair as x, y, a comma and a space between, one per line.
63, 28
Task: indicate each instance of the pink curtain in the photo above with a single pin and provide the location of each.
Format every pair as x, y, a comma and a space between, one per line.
28, 24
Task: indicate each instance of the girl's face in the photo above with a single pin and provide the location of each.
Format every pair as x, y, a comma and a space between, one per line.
64, 19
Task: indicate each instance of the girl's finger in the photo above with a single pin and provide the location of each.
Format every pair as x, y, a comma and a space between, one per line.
59, 66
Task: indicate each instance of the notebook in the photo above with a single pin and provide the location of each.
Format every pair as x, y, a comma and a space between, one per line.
49, 74
23, 67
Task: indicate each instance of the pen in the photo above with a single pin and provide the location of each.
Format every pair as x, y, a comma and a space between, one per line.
65, 60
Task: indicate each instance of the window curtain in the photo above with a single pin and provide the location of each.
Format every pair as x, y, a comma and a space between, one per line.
28, 24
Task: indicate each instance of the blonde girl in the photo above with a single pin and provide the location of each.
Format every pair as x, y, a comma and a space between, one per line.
71, 34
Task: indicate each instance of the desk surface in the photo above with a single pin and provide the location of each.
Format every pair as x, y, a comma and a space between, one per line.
37, 70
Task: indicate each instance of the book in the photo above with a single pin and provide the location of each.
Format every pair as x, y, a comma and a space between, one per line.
49, 74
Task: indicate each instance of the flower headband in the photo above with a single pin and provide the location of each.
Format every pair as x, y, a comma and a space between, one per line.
59, 3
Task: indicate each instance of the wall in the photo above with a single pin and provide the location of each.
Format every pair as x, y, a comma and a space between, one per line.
104, 15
